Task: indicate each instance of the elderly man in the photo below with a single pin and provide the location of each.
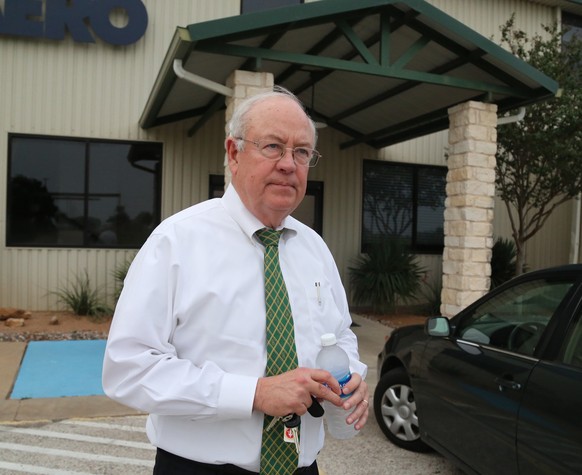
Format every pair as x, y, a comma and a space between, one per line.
192, 341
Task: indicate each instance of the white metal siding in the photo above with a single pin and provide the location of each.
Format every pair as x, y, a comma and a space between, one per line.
63, 88
486, 16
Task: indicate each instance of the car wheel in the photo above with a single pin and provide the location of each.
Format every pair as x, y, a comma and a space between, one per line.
395, 411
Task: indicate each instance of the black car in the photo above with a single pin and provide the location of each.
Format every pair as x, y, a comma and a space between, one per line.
497, 388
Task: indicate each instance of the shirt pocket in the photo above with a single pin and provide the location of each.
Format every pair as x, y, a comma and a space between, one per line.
325, 316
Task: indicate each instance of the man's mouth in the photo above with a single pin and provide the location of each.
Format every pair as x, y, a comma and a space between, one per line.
288, 185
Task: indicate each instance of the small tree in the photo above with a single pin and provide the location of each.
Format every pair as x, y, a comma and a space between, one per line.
539, 162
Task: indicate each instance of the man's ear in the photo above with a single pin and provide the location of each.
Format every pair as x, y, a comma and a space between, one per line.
232, 154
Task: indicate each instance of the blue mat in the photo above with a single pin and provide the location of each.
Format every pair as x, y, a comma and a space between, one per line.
59, 369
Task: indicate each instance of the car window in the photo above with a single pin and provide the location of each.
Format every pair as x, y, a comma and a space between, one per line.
573, 347
516, 318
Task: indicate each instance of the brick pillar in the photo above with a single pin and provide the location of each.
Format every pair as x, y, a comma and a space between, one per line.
244, 84
469, 205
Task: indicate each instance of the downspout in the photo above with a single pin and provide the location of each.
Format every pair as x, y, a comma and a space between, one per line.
512, 118
200, 81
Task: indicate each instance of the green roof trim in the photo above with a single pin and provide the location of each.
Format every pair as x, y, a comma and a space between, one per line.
336, 10
371, 69
404, 51
484, 43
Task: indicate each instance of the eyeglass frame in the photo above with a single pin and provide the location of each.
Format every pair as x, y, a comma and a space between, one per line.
314, 157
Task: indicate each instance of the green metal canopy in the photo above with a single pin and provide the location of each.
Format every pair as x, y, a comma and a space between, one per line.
380, 71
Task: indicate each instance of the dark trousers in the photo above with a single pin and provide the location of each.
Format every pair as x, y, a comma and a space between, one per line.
170, 464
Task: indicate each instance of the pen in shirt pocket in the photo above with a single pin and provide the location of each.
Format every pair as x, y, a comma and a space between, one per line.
318, 291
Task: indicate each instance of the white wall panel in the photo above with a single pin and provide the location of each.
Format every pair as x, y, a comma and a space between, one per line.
486, 16
428, 150
68, 89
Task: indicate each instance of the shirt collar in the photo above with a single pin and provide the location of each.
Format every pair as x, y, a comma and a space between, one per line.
246, 220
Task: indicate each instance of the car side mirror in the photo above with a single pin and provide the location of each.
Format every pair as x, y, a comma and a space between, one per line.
437, 326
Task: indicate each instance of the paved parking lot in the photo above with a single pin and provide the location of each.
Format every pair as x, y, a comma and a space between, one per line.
370, 453
74, 447
119, 446
77, 444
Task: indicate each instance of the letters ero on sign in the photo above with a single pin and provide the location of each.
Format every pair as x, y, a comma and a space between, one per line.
53, 18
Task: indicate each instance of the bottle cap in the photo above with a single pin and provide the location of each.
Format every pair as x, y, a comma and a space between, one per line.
328, 339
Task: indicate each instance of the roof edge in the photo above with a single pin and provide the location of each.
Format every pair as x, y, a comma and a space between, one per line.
292, 14
178, 49
484, 43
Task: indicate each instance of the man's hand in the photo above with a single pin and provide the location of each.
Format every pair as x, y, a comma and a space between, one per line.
291, 392
357, 403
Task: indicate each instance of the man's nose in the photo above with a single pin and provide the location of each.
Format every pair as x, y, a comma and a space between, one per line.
287, 160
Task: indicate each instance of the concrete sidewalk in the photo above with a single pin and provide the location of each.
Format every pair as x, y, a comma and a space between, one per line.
371, 336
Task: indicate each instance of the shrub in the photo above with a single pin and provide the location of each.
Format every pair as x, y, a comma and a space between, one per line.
83, 300
431, 294
503, 255
387, 273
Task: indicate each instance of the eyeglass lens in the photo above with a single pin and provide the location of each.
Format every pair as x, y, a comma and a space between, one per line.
275, 150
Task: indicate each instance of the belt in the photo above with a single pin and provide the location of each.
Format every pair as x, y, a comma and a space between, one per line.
170, 464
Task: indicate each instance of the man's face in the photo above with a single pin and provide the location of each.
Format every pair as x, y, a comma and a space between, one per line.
271, 189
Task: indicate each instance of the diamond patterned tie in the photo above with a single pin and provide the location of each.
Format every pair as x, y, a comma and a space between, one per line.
277, 456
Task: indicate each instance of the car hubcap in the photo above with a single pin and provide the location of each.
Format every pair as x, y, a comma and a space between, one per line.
399, 412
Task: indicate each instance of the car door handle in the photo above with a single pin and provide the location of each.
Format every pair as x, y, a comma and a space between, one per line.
505, 383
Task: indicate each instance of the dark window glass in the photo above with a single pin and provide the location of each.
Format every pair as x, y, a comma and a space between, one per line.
573, 25
82, 193
249, 6
403, 201
430, 192
516, 318
215, 186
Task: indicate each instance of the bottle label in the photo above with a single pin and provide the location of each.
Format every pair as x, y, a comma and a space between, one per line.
342, 382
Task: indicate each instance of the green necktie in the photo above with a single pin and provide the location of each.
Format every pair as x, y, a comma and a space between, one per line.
277, 456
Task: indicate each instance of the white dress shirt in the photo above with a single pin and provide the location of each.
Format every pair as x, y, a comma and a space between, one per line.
187, 342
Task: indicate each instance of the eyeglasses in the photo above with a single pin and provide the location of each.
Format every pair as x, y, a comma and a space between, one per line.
276, 151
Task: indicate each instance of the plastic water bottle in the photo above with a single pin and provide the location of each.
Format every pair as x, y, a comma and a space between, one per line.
335, 360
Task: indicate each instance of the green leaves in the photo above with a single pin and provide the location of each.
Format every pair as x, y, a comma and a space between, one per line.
538, 158
387, 273
502, 261
82, 299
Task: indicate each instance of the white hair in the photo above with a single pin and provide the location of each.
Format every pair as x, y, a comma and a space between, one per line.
238, 124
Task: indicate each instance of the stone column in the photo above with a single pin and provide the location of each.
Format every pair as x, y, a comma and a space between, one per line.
244, 84
469, 205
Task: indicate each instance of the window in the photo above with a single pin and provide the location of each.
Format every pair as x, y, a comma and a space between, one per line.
249, 6
82, 193
309, 211
516, 318
572, 23
215, 186
404, 201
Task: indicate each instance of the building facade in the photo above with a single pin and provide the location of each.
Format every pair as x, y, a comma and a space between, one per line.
83, 184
